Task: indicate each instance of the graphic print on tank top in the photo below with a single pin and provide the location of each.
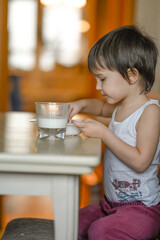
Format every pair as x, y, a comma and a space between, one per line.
127, 191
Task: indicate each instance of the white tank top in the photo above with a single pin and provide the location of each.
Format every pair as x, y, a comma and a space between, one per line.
121, 183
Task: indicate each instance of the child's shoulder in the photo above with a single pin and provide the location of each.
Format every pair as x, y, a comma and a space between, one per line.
152, 106
151, 113
149, 121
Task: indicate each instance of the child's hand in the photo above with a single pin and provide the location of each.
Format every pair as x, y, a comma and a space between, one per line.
91, 128
75, 107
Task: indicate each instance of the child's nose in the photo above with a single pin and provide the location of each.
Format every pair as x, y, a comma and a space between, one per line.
98, 86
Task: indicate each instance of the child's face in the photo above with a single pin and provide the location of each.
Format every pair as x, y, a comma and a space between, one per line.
112, 85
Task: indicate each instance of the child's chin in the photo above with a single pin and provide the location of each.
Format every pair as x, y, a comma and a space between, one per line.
111, 101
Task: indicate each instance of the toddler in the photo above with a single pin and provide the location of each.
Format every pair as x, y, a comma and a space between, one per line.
123, 63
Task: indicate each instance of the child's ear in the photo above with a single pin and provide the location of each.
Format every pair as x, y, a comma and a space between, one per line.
133, 75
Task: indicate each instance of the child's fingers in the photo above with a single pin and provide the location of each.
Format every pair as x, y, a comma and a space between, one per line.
82, 124
72, 113
79, 124
88, 120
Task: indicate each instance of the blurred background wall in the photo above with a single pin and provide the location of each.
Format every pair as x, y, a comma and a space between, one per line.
44, 46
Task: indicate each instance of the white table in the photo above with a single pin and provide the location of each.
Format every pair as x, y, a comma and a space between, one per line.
39, 167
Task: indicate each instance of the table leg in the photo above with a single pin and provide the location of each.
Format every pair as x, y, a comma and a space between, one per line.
65, 198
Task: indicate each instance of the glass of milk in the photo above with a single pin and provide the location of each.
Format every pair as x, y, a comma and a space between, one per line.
52, 119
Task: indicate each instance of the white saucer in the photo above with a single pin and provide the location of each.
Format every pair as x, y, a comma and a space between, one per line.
72, 130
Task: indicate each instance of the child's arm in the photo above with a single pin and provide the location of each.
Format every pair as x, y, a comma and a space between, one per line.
96, 107
140, 157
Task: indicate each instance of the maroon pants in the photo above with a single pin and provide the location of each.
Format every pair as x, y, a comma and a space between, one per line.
119, 221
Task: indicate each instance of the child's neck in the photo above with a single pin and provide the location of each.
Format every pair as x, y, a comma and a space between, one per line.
134, 100
130, 105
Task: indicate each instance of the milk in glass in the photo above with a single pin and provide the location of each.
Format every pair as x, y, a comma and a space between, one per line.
52, 126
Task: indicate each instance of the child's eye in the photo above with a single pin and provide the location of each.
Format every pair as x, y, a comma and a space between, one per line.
102, 79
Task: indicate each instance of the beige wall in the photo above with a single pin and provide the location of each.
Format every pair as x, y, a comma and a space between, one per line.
147, 17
